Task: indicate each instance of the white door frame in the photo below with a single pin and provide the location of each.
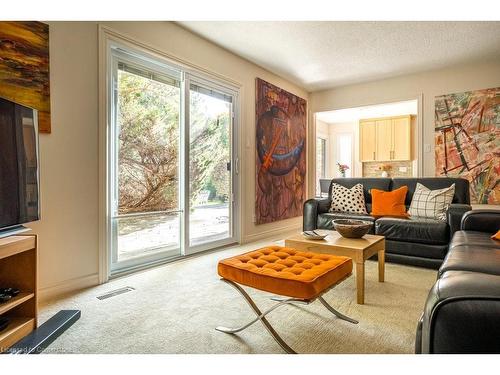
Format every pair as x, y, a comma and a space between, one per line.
108, 37
420, 133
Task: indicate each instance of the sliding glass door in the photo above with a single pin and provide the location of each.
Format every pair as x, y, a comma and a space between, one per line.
171, 175
210, 195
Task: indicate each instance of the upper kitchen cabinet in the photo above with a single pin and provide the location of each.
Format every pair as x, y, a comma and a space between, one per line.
401, 138
386, 139
367, 135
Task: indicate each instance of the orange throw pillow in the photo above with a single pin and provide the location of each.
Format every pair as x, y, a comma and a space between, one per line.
496, 236
389, 203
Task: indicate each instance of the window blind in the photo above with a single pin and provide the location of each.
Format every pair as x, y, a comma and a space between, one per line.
212, 93
154, 76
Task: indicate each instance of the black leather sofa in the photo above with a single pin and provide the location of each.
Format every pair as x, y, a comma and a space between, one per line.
414, 241
462, 312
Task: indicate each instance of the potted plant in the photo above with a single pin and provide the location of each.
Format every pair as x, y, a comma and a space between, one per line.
385, 168
342, 168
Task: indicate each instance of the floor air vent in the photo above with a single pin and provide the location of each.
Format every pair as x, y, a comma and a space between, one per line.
116, 292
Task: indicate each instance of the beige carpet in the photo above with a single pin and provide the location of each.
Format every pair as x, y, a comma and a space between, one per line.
175, 308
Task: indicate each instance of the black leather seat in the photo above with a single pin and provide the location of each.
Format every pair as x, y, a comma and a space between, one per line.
473, 251
472, 238
418, 230
416, 241
472, 258
462, 311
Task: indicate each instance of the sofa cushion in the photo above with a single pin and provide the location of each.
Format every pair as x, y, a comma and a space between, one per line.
368, 184
485, 220
472, 258
472, 251
473, 238
286, 271
418, 230
325, 221
431, 204
417, 254
348, 200
389, 203
461, 195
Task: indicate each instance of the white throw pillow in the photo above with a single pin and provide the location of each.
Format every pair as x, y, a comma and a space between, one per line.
431, 204
348, 200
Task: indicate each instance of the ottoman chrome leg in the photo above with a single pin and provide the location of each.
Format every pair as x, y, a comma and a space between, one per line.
289, 300
335, 312
260, 316
322, 300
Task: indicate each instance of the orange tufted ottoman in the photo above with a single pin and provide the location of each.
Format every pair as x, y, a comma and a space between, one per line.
300, 276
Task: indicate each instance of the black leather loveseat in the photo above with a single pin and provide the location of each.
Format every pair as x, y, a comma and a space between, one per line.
415, 241
462, 312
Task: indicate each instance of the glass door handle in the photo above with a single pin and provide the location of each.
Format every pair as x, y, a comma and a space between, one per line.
237, 165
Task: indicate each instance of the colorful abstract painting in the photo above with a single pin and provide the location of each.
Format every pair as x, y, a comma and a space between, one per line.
468, 141
24, 67
281, 153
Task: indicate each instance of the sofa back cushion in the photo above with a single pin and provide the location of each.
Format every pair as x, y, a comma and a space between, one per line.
368, 184
324, 184
433, 183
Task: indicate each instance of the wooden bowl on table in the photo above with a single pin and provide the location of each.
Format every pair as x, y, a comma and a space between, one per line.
352, 228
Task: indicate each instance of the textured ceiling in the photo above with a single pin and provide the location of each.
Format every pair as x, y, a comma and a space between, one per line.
321, 55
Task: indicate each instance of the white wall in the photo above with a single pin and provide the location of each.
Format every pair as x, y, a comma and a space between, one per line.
69, 156
68, 232
322, 129
474, 76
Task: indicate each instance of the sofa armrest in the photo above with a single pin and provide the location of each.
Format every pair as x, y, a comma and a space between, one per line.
481, 220
312, 208
461, 314
418, 336
454, 215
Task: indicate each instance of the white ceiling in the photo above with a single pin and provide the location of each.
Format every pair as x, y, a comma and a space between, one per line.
409, 107
321, 55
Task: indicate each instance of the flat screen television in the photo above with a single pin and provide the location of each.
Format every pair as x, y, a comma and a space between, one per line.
19, 175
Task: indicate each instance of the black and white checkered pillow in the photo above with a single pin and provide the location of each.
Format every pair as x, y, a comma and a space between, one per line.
348, 200
431, 204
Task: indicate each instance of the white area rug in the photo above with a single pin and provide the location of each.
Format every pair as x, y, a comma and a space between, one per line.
175, 308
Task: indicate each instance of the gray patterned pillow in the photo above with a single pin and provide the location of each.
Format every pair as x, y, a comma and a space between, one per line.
348, 200
431, 204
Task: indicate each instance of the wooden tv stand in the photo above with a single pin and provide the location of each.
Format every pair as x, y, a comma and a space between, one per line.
18, 269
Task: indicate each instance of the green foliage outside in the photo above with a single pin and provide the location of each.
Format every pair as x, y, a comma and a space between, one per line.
148, 149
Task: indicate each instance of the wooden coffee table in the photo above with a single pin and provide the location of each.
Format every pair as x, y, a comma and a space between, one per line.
359, 249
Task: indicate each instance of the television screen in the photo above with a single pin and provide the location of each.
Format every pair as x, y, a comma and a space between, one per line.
18, 164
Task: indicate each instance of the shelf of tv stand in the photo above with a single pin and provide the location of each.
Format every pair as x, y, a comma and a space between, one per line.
15, 301
16, 244
18, 269
16, 330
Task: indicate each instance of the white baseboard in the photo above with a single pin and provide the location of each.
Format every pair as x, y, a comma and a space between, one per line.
64, 287
272, 232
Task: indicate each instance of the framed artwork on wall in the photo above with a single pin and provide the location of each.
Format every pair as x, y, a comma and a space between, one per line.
281, 153
467, 141
24, 67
